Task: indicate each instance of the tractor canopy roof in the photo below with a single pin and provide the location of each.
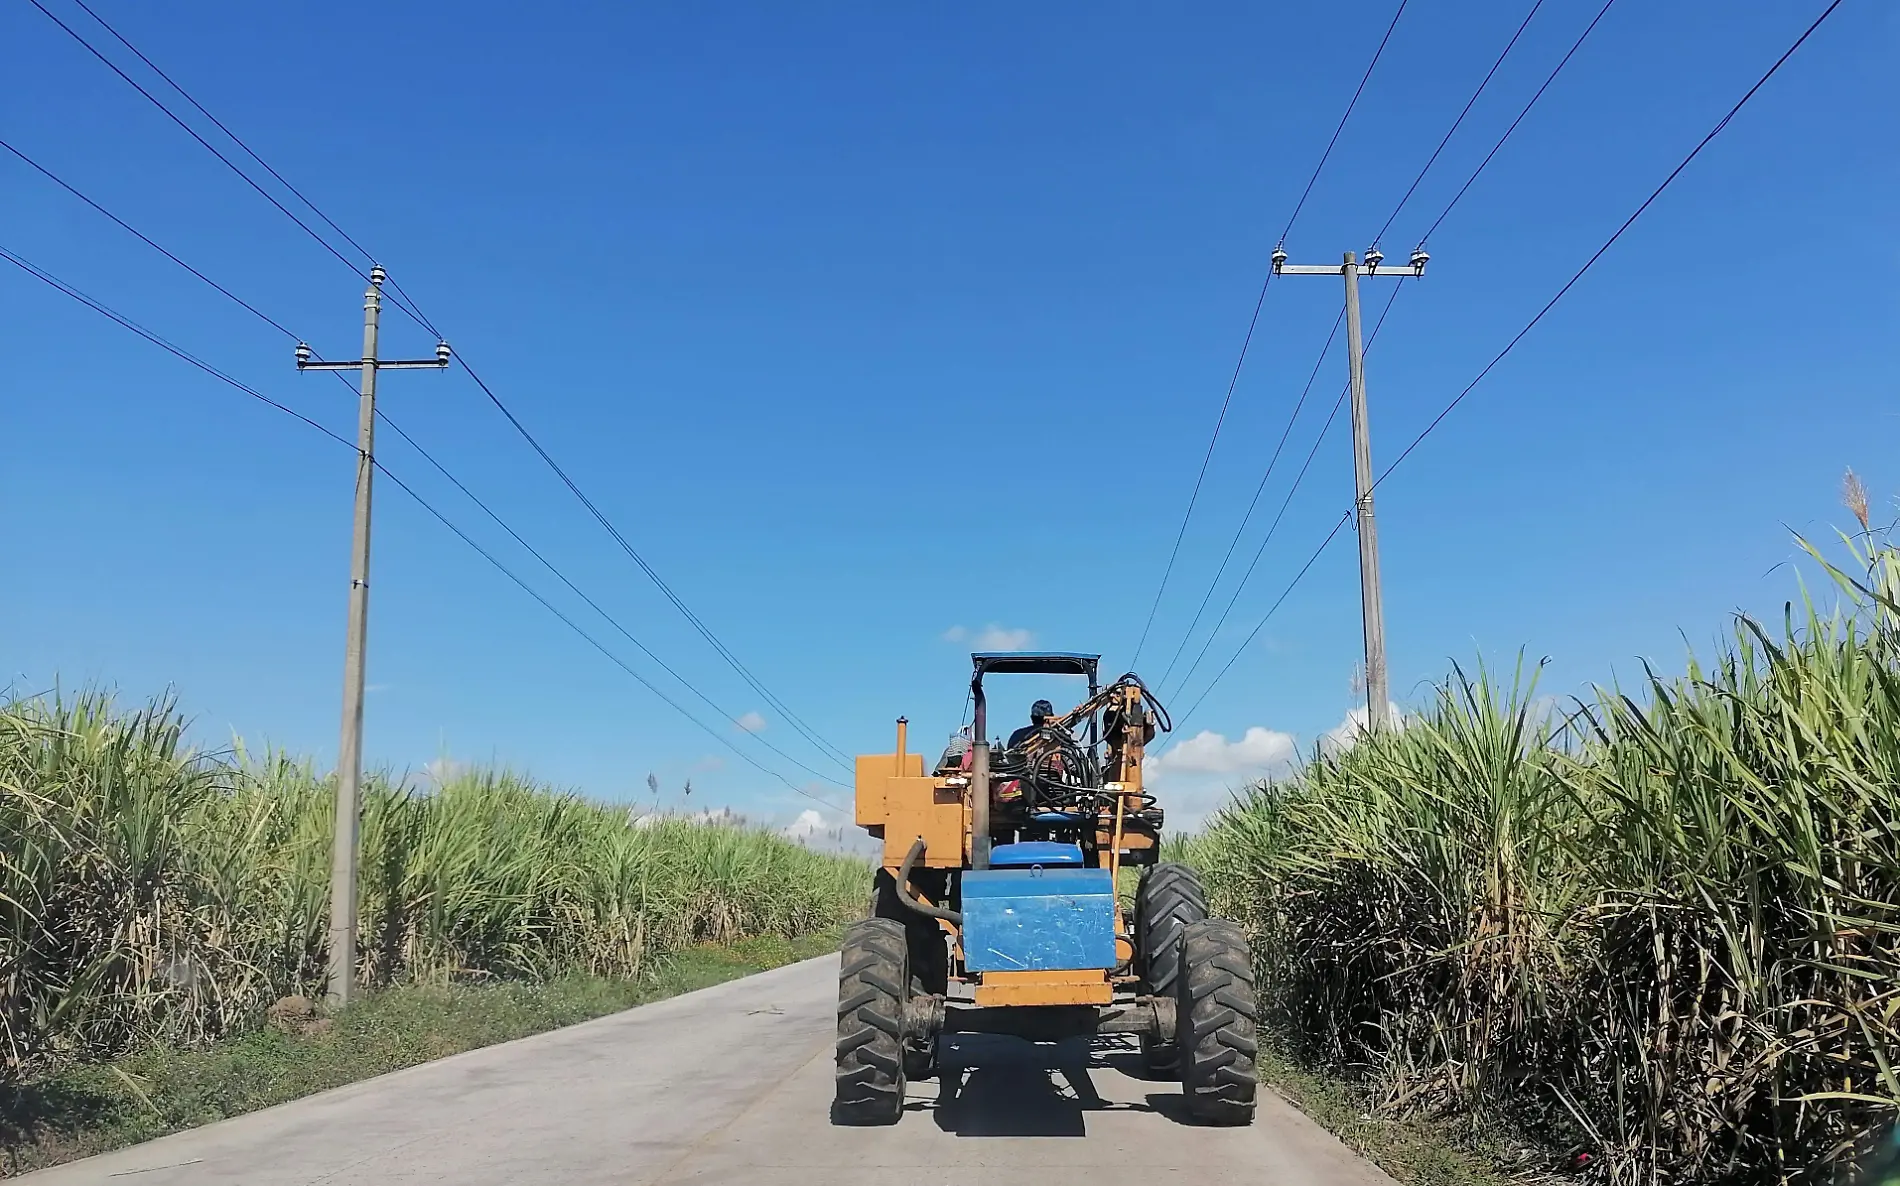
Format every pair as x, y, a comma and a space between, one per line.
1036, 663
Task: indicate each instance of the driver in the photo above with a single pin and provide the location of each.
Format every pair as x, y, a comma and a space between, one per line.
1011, 790
1039, 712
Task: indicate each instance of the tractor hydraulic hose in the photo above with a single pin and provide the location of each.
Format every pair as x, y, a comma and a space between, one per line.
904, 894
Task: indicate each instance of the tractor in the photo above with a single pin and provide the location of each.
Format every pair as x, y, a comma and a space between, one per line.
996, 910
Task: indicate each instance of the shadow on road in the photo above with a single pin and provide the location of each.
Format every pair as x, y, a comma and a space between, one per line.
1001, 1087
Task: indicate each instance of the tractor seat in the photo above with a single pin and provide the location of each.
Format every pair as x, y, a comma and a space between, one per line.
1026, 853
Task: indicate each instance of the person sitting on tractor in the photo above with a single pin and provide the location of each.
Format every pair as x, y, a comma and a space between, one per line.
1039, 712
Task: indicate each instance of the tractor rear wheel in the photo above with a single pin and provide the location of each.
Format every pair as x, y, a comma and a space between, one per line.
1216, 1016
929, 955
873, 982
1168, 899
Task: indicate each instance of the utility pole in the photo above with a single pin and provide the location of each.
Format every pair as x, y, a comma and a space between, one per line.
1371, 601
349, 757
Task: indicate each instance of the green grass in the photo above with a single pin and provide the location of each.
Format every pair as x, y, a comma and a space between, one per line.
159, 1089
1661, 924
155, 901
1416, 1151
153, 894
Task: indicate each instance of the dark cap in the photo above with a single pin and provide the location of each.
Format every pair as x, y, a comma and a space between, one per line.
1040, 710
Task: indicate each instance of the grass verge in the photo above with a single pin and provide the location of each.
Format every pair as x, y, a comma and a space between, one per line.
1658, 927
1416, 1151
158, 1090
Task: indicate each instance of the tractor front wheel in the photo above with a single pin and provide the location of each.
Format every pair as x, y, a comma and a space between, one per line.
873, 982
1215, 1014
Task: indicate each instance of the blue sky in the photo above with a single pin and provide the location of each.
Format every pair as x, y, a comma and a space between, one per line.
880, 329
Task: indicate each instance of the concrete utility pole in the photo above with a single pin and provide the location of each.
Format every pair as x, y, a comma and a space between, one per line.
1371, 602
349, 757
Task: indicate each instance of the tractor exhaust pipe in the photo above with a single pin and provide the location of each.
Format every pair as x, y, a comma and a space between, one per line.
980, 806
980, 781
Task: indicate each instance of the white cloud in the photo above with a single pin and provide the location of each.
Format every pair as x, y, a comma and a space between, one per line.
808, 824
712, 816
818, 830
1546, 710
1195, 778
441, 770
998, 638
1258, 750
825, 831
751, 722
992, 637
1345, 733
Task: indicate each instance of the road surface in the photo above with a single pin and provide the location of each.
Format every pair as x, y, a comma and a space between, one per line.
732, 1085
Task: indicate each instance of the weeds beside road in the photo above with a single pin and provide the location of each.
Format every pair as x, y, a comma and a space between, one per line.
1657, 932
152, 894
156, 1090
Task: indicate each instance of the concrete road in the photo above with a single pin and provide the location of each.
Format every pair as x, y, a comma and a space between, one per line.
732, 1085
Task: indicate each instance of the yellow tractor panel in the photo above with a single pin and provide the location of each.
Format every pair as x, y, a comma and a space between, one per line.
1131, 840
873, 770
1088, 987
920, 806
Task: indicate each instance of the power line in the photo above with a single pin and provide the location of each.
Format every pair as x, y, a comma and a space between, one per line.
831, 751
426, 455
193, 133
140, 235
1442, 215
1300, 404
1180, 532
1253, 323
1526, 110
599, 646
594, 605
1456, 123
235, 138
1272, 528
401, 301
48, 278
1720, 125
1260, 625
1258, 490
1509, 346
45, 277
1354, 102
705, 632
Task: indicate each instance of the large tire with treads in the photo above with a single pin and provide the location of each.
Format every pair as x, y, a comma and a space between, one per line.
1216, 1016
929, 956
873, 982
1169, 898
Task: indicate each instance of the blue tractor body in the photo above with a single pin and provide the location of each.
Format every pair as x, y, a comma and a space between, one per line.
1038, 909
